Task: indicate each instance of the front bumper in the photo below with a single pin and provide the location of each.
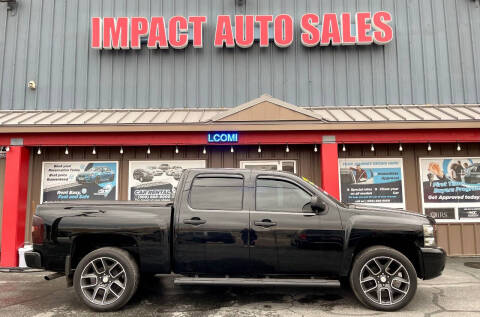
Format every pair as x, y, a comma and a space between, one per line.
33, 259
433, 262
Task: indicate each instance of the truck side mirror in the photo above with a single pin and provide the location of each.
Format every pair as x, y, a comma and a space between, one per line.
317, 204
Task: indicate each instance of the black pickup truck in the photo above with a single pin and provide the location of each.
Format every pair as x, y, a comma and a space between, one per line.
235, 226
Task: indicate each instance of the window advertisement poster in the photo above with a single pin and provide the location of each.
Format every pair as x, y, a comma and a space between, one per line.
451, 188
157, 180
372, 181
63, 181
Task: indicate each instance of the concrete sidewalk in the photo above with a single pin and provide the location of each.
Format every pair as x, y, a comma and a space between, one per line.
455, 292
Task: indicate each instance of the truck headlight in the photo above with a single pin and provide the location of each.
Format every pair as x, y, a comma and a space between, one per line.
429, 236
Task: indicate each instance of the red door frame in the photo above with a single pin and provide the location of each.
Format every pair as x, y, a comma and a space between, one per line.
329, 168
14, 204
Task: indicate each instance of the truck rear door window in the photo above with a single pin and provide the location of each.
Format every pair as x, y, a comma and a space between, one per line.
279, 195
217, 193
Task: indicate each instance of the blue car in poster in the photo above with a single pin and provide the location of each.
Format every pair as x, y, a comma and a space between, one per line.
97, 175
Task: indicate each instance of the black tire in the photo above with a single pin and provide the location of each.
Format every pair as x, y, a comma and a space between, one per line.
131, 281
408, 272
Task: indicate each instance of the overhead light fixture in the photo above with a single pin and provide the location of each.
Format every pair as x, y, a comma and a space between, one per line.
459, 147
259, 149
94, 151
287, 149
315, 149
372, 148
66, 150
429, 147
344, 149
400, 147
176, 150
121, 150
148, 151
204, 150
231, 149
39, 151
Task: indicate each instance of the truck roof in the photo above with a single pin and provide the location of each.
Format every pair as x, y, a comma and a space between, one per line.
238, 170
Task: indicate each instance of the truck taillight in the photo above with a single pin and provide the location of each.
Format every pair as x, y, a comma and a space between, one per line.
38, 230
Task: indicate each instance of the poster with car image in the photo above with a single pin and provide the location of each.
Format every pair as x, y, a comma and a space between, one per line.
372, 181
65, 181
451, 183
157, 180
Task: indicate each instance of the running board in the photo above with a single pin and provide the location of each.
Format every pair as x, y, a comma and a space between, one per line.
254, 281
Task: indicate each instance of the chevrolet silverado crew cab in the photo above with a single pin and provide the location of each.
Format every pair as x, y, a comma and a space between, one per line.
236, 226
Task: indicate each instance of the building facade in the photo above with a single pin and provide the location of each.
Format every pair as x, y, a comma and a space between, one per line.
377, 101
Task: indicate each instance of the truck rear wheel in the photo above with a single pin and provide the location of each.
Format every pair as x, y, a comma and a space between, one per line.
106, 279
383, 278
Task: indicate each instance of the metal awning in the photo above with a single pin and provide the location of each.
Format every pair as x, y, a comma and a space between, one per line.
277, 112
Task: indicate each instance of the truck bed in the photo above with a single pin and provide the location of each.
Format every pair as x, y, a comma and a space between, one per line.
143, 228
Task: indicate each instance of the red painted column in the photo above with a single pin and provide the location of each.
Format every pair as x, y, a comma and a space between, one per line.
329, 166
14, 204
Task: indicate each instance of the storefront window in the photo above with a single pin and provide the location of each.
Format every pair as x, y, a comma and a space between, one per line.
372, 181
271, 165
157, 180
451, 188
82, 180
288, 166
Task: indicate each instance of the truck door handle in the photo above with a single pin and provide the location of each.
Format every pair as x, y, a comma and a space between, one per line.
194, 221
266, 223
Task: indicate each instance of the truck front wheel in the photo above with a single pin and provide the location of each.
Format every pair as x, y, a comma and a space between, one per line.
106, 279
383, 278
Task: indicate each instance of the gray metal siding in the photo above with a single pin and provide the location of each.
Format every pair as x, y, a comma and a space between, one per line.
434, 58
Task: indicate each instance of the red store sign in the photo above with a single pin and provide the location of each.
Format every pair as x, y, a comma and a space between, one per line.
363, 28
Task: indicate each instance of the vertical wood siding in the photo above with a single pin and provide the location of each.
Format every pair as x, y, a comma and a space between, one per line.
434, 58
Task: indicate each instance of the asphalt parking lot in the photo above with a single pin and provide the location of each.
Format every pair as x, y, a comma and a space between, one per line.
28, 294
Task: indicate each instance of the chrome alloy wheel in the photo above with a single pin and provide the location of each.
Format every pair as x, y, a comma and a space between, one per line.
103, 281
384, 280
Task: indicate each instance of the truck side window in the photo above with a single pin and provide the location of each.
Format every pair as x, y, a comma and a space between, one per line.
278, 195
217, 193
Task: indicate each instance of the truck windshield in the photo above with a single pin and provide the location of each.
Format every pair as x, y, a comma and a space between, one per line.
332, 199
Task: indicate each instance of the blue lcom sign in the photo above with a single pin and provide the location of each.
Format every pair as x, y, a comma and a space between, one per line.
223, 137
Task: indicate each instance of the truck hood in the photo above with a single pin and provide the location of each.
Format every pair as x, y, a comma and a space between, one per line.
392, 212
